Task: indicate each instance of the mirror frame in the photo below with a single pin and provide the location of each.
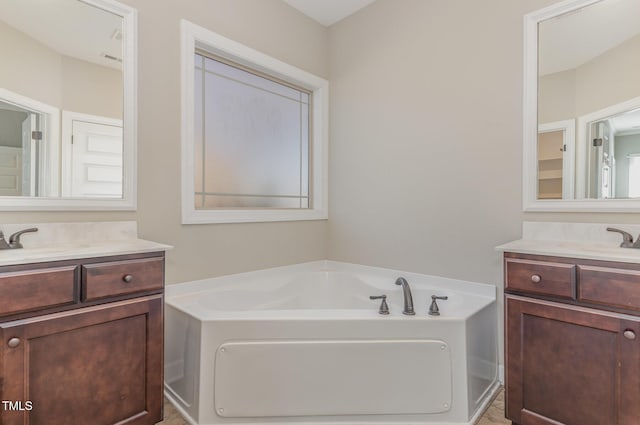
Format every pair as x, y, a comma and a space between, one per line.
128, 202
530, 202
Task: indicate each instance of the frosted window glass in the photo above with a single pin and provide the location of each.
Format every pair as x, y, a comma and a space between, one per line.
247, 78
213, 201
252, 140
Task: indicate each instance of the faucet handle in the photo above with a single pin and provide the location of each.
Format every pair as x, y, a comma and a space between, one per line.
384, 307
433, 308
627, 238
14, 240
3, 243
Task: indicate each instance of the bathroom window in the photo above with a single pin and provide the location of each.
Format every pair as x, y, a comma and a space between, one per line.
251, 139
254, 134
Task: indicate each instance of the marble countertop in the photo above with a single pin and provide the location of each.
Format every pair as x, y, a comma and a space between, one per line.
74, 250
605, 251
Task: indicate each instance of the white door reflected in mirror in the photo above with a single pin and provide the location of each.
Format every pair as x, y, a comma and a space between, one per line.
95, 160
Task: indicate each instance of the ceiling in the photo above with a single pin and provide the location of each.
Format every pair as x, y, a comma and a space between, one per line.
69, 27
328, 12
627, 122
572, 39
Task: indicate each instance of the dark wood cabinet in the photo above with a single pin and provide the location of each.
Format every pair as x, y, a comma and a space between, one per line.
569, 365
94, 363
570, 360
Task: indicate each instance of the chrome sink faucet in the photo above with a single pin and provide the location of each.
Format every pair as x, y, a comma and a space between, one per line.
627, 238
408, 299
14, 239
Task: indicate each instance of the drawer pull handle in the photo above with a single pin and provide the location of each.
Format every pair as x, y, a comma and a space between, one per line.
629, 334
127, 278
13, 342
536, 278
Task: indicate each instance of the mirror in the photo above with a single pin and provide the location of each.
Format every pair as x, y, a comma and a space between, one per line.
582, 107
67, 105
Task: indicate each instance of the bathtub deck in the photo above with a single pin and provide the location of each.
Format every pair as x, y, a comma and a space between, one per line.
493, 416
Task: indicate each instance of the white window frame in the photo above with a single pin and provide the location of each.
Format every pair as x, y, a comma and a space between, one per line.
195, 37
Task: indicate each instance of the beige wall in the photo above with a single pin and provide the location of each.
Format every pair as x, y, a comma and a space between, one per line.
34, 69
557, 97
609, 79
90, 88
426, 135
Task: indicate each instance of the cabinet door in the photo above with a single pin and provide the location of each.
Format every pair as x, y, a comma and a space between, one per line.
569, 365
99, 365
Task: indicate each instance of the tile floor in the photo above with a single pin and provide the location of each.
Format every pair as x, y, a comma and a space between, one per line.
493, 416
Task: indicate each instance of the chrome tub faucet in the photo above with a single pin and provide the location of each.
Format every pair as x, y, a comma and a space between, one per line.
408, 299
384, 307
14, 239
433, 308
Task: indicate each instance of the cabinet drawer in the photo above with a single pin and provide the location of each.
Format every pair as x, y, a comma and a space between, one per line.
102, 280
610, 286
541, 277
24, 291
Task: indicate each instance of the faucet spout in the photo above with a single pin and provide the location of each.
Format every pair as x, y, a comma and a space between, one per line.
408, 299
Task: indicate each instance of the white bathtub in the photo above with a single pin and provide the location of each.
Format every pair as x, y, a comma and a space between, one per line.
304, 344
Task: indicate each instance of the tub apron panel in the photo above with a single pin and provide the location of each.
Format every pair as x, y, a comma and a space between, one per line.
332, 377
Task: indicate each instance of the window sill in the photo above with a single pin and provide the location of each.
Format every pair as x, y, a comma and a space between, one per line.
250, 216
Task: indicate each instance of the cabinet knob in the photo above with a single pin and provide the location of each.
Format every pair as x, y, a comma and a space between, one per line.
629, 334
536, 278
13, 342
127, 278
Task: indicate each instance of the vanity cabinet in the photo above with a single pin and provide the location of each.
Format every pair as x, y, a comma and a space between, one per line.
572, 341
86, 346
